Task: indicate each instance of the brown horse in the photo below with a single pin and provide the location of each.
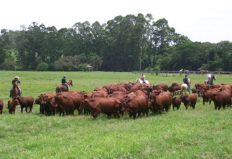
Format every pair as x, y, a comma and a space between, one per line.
63, 88
14, 91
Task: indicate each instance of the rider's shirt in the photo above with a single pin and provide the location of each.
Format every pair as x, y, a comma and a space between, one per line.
63, 81
15, 81
185, 80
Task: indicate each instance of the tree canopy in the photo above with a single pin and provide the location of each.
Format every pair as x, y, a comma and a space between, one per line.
122, 44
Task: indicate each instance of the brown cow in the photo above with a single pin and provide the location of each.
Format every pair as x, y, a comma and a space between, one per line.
107, 106
119, 96
42, 100
25, 102
203, 86
222, 98
12, 105
189, 100
160, 101
1, 106
176, 102
174, 88
51, 106
101, 93
163, 86
206, 95
135, 102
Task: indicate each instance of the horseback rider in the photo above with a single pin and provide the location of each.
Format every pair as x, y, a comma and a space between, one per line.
187, 81
16, 82
143, 78
64, 82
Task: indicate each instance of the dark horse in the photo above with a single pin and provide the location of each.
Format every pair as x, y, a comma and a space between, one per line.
210, 81
15, 91
63, 88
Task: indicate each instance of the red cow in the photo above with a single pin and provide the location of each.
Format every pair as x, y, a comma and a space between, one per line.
176, 102
189, 100
206, 95
68, 103
107, 106
174, 88
12, 105
222, 98
101, 93
163, 86
136, 102
160, 101
119, 96
1, 106
25, 102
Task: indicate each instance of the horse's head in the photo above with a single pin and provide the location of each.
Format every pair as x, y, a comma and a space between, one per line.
15, 85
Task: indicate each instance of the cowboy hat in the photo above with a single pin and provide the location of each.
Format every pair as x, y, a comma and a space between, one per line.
16, 77
64, 76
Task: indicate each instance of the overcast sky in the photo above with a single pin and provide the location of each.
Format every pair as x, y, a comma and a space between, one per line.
199, 20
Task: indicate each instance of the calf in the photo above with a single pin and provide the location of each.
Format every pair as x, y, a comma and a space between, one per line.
12, 105
176, 102
1, 106
189, 100
25, 102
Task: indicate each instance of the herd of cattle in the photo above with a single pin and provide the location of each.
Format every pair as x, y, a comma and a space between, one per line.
132, 98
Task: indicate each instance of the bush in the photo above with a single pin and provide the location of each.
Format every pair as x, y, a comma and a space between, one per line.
42, 67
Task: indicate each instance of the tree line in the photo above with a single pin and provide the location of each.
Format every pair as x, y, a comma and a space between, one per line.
122, 44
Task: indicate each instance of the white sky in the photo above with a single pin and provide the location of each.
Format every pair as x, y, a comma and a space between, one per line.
199, 20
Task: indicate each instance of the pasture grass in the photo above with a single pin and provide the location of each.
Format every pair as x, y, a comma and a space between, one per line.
200, 133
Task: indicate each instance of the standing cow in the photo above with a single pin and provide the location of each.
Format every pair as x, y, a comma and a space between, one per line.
222, 98
12, 105
25, 102
189, 100
136, 102
96, 106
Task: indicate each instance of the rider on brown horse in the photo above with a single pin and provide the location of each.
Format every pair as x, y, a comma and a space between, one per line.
17, 83
64, 82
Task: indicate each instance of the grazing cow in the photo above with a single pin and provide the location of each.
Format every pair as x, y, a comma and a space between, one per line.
107, 106
222, 98
25, 102
176, 102
136, 102
189, 100
12, 105
174, 88
1, 106
160, 101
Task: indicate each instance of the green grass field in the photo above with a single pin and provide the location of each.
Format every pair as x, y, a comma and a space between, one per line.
200, 133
